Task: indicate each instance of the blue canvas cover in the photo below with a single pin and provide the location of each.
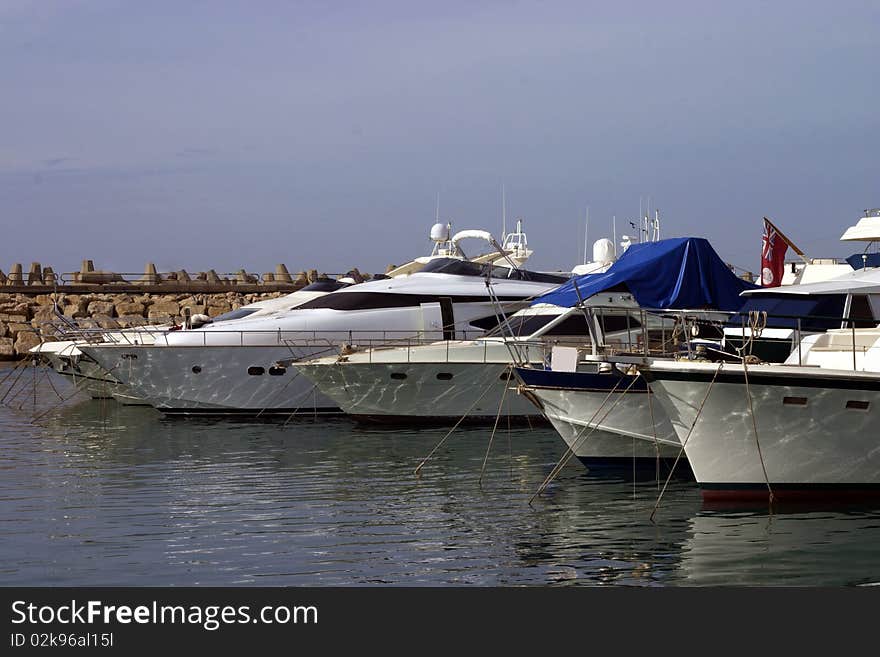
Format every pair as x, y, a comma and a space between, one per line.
683, 272
862, 260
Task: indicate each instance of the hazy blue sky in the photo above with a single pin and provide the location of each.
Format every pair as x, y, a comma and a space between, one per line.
229, 134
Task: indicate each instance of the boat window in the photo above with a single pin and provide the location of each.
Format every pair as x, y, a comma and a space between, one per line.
574, 325
794, 401
324, 285
506, 376
817, 312
236, 314
444, 376
375, 300
400, 376
467, 268
857, 404
256, 370
277, 371
196, 369
860, 311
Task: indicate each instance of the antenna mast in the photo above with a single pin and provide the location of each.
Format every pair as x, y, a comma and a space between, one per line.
586, 232
503, 214
614, 229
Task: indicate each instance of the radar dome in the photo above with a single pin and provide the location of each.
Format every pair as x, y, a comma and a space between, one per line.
603, 251
440, 232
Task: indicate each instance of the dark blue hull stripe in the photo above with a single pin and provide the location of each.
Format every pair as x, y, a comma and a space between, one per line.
587, 381
759, 377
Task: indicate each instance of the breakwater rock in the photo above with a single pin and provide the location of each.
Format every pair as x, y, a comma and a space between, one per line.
28, 319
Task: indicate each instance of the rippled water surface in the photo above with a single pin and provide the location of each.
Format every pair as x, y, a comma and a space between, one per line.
95, 493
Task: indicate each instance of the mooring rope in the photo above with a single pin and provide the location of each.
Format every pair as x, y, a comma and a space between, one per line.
22, 389
12, 371
656, 442
451, 431
755, 427
18, 366
296, 410
685, 441
581, 437
48, 376
495, 428
76, 391
274, 395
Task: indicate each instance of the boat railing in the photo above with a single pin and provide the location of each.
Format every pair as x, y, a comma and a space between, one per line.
705, 333
693, 329
159, 336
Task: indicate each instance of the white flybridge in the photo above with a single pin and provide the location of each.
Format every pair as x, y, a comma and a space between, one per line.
513, 252
214, 369
812, 270
808, 427
866, 230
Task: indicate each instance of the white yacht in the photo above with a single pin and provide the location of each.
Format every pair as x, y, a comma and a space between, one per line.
67, 358
452, 379
247, 370
585, 406
807, 427
605, 413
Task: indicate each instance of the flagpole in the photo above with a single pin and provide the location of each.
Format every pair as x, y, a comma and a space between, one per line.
787, 241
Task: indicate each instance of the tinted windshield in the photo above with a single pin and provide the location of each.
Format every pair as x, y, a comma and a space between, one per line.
467, 268
324, 285
235, 314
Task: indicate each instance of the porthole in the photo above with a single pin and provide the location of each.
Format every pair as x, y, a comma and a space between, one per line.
794, 401
197, 369
506, 376
444, 376
277, 371
399, 376
256, 370
857, 404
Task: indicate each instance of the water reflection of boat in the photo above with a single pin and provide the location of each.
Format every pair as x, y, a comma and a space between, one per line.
818, 548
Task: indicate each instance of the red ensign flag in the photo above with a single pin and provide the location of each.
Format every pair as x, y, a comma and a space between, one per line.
773, 248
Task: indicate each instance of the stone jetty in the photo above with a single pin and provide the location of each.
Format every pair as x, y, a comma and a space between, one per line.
104, 299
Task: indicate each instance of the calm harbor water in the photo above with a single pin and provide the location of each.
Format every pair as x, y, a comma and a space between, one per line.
95, 493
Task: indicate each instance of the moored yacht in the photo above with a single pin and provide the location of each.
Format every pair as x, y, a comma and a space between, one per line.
807, 427
68, 359
606, 413
247, 370
448, 380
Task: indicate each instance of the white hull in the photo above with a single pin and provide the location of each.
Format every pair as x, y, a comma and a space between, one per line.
90, 379
447, 380
213, 379
814, 432
604, 425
